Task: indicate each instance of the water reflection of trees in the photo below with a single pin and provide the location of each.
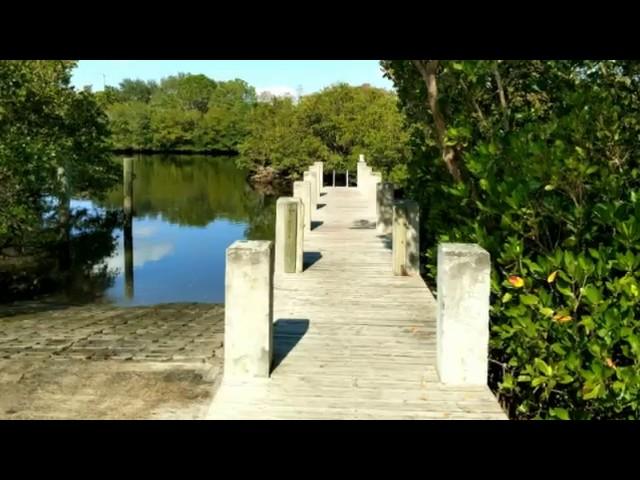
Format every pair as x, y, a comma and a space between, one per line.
261, 221
73, 268
189, 191
193, 190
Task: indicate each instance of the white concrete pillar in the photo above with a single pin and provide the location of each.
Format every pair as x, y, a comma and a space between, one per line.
302, 190
289, 235
248, 310
311, 177
320, 170
464, 281
372, 191
405, 243
360, 180
384, 207
299, 235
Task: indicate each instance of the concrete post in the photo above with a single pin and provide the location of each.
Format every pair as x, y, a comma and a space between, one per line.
405, 243
248, 310
289, 235
372, 191
320, 169
312, 179
364, 174
359, 171
384, 207
302, 190
464, 281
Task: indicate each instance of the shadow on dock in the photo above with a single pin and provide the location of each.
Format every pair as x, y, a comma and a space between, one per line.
362, 225
386, 240
309, 258
286, 334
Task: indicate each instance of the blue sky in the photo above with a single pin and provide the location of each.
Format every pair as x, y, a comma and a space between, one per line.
277, 76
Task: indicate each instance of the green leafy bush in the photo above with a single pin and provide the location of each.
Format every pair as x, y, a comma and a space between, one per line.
550, 188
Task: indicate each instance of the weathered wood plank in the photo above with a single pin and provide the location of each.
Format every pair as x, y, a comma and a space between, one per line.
352, 341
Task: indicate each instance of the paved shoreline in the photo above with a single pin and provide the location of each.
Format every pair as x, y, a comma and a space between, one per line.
108, 362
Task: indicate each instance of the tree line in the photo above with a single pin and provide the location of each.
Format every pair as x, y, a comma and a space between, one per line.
190, 113
334, 125
276, 137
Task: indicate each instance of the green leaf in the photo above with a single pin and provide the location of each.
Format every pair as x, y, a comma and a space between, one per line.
588, 323
592, 392
592, 294
538, 381
546, 311
560, 413
529, 299
565, 291
507, 382
543, 367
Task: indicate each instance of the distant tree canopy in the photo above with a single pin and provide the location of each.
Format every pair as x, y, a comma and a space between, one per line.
184, 112
334, 125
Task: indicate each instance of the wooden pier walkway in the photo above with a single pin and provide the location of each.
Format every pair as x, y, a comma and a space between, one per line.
351, 340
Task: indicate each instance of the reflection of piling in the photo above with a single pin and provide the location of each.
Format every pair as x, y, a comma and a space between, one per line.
64, 219
128, 226
128, 186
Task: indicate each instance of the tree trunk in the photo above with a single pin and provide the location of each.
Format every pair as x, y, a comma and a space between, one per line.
452, 157
503, 99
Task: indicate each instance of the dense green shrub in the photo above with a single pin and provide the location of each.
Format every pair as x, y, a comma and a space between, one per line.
46, 127
548, 154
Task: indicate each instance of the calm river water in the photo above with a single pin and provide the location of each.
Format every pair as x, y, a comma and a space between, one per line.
187, 210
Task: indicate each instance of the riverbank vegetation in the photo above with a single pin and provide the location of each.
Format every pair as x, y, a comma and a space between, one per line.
538, 162
53, 145
277, 139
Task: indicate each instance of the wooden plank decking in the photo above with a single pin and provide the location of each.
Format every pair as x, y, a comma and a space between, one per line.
351, 340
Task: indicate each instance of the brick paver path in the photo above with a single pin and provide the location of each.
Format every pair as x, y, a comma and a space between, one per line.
106, 362
180, 332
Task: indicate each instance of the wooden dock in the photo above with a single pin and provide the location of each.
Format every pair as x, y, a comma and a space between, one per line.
351, 340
